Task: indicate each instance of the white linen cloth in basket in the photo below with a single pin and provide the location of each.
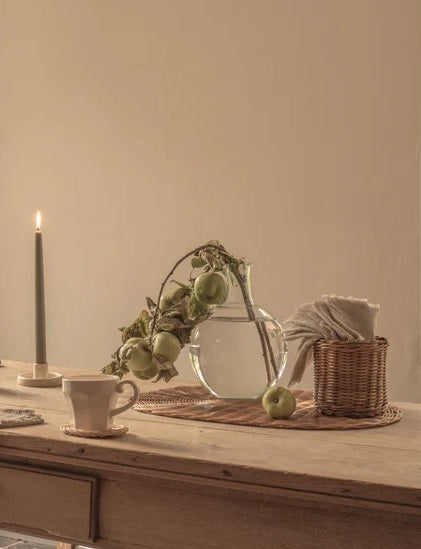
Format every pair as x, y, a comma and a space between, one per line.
332, 317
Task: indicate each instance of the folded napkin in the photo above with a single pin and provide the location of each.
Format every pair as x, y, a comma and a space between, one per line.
332, 317
12, 417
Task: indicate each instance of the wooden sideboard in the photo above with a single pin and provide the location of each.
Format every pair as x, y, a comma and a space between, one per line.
174, 484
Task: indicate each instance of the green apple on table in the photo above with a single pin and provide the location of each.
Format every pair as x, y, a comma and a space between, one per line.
279, 403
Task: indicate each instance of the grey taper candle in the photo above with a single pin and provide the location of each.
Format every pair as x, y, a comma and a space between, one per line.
40, 339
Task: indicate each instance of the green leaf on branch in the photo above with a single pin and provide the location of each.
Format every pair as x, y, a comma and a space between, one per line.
168, 323
197, 262
139, 328
116, 368
184, 286
166, 369
151, 305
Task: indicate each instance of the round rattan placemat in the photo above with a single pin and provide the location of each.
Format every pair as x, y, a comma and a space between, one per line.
196, 403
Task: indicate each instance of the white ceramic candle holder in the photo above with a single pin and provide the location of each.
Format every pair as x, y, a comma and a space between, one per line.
40, 377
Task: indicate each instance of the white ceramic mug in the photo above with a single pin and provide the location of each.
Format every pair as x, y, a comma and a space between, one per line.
92, 400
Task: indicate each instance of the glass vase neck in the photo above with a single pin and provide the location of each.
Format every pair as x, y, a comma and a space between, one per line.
239, 289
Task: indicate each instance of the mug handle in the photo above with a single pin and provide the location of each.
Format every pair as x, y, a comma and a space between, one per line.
119, 389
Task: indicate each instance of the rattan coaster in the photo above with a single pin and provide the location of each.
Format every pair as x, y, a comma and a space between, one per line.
196, 403
115, 431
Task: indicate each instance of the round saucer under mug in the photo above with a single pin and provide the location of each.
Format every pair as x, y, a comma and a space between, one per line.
114, 431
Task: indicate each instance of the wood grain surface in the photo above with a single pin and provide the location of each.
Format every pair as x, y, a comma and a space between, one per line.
199, 485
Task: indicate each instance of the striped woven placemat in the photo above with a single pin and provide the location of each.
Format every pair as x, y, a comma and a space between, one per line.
196, 403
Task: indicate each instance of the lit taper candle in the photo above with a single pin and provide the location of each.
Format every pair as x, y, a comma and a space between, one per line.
40, 338
40, 376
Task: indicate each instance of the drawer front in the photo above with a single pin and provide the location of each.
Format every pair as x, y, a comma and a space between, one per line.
48, 503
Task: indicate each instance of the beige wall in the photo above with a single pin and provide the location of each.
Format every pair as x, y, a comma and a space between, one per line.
289, 130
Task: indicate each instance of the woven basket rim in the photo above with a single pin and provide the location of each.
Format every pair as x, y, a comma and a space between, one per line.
377, 341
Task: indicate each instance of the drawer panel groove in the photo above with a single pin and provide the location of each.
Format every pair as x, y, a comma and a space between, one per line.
52, 503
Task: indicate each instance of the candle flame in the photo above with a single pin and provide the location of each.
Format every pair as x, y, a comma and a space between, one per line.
38, 221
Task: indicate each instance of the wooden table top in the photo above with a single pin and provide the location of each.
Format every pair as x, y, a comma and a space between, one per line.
381, 463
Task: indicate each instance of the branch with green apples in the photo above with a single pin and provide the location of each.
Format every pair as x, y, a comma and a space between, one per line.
152, 343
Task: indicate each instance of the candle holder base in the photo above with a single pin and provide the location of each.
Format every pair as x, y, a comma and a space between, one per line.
53, 379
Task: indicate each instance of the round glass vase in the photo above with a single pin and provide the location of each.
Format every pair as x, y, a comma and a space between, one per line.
240, 350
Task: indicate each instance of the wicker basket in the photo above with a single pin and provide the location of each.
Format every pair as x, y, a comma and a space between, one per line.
350, 377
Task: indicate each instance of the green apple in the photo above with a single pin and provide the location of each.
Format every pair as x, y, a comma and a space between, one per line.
211, 288
139, 357
149, 373
166, 345
278, 402
171, 298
